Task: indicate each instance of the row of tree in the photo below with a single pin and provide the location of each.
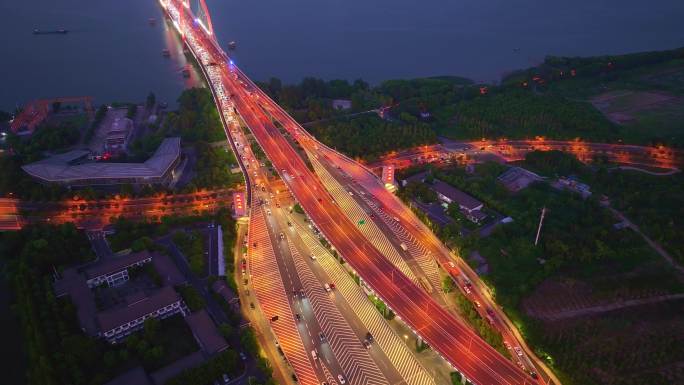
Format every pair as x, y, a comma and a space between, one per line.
521, 114
192, 246
56, 349
369, 136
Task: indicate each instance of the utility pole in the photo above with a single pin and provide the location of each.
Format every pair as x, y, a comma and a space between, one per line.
541, 221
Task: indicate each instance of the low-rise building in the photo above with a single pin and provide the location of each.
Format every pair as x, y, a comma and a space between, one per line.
476, 216
571, 183
73, 284
517, 178
118, 135
221, 288
114, 271
167, 270
469, 206
69, 169
419, 177
448, 194
119, 322
206, 333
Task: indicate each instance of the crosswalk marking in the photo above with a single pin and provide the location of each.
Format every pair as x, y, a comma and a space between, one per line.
418, 252
358, 367
355, 213
270, 292
391, 344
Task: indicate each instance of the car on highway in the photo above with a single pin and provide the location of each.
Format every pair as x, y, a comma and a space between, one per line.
518, 351
225, 377
313, 257
298, 317
243, 357
282, 236
466, 289
341, 379
327, 287
321, 336
507, 345
477, 303
314, 355
332, 286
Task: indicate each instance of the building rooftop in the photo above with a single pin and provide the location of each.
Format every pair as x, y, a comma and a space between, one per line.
136, 308
419, 177
168, 271
456, 195
222, 288
114, 264
58, 169
478, 215
74, 285
205, 332
121, 124
517, 178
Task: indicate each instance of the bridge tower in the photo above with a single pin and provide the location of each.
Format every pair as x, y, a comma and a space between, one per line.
203, 16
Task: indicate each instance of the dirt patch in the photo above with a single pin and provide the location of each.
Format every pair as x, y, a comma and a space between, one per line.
632, 346
622, 106
558, 299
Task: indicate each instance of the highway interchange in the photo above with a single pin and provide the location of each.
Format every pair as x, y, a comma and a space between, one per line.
443, 331
305, 280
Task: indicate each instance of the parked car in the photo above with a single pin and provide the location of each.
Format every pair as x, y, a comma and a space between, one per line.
518, 351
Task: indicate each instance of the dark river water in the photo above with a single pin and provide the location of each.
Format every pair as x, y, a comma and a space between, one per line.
113, 53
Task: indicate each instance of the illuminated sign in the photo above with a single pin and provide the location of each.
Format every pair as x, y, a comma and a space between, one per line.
388, 175
239, 206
